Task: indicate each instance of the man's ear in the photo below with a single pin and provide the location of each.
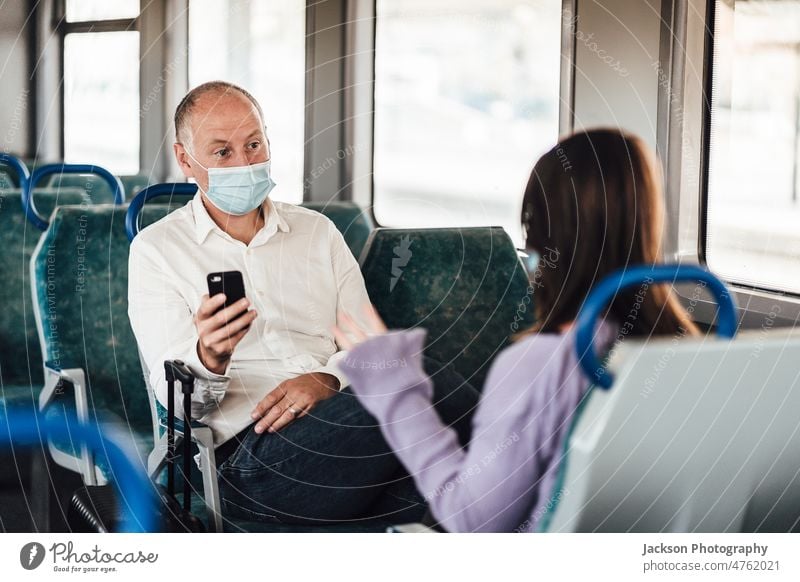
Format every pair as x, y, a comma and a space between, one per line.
183, 160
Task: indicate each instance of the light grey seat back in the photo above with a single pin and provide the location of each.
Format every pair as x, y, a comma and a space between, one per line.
695, 435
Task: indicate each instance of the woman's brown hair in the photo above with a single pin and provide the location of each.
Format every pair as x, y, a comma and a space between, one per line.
594, 204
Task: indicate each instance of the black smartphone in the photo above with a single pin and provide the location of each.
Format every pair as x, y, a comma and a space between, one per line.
228, 282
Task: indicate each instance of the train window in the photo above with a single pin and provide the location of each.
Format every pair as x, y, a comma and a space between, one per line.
83, 10
466, 99
260, 46
753, 206
101, 100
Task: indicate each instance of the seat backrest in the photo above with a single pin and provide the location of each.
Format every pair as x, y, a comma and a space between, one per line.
7, 180
350, 219
695, 435
133, 184
81, 301
354, 223
466, 286
166, 203
99, 189
20, 357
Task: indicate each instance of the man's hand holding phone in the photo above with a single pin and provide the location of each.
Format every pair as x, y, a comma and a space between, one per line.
220, 328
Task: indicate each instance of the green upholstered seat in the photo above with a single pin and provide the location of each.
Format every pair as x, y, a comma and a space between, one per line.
94, 186
466, 286
351, 220
173, 202
20, 356
19, 395
82, 298
133, 184
7, 180
46, 199
354, 223
97, 188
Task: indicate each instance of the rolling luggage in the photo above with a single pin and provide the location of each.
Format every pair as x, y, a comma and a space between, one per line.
95, 509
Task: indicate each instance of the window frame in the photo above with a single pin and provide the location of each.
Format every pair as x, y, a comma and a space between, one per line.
365, 61
705, 157
708, 81
687, 195
63, 28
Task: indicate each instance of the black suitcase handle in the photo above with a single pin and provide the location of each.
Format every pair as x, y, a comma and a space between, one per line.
176, 370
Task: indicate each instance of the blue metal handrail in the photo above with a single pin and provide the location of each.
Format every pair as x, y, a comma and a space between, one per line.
147, 194
47, 170
19, 166
605, 291
133, 487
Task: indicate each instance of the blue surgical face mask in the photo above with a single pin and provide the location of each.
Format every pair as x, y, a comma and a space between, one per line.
240, 189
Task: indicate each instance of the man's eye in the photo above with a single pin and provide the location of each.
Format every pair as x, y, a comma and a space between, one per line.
255, 145
222, 153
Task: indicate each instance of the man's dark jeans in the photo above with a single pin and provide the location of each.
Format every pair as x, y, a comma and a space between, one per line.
334, 465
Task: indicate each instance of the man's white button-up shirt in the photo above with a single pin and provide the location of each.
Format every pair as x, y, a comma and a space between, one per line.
298, 274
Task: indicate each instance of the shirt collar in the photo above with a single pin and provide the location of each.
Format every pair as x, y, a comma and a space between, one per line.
204, 224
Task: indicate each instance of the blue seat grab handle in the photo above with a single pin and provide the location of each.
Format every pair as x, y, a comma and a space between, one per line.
133, 487
49, 169
605, 291
19, 167
147, 194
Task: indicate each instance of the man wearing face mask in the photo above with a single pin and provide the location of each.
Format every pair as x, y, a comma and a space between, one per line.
293, 444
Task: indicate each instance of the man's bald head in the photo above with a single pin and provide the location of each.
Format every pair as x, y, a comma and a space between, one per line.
213, 89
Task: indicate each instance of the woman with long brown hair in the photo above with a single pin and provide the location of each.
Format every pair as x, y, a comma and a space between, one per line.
593, 204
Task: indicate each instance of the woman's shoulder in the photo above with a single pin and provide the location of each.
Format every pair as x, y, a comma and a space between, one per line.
541, 345
528, 362
547, 358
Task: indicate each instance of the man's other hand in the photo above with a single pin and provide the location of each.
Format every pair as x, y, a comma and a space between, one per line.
293, 399
220, 330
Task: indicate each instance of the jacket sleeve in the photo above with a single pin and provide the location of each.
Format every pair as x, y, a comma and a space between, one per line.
493, 485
